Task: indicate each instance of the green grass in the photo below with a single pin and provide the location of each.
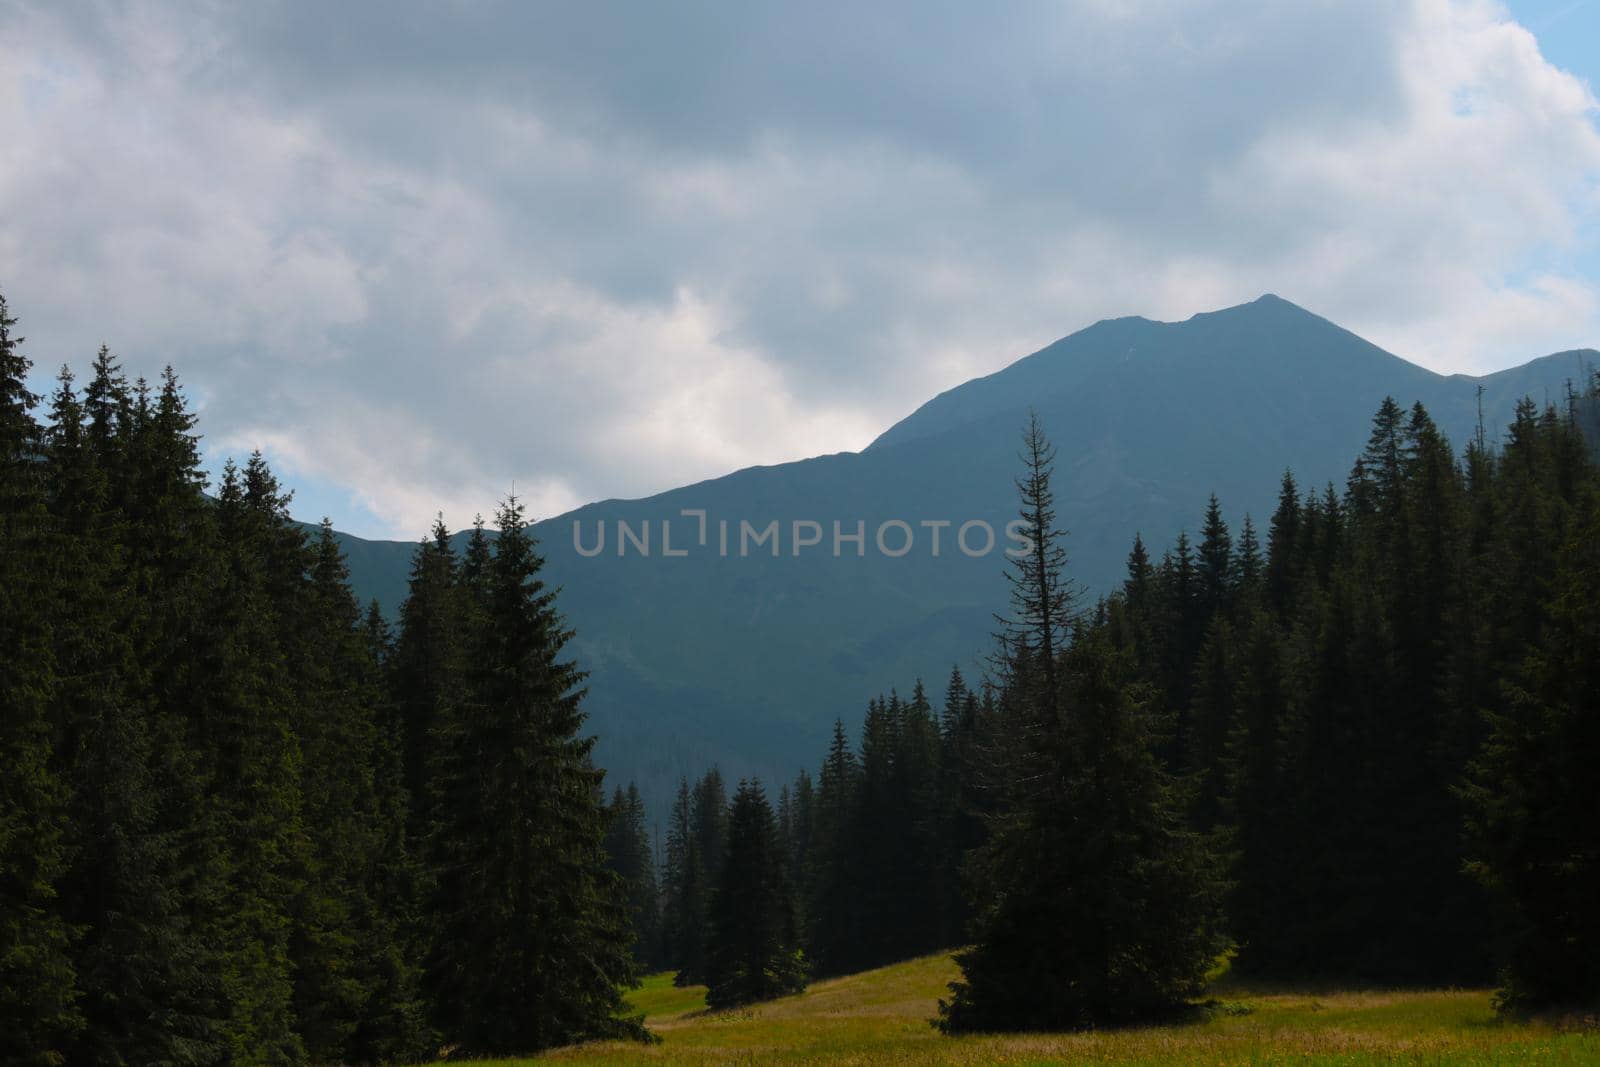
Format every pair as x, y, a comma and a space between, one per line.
882, 1017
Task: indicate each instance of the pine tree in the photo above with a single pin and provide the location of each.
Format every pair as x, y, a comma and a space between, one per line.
1533, 794
171, 564
356, 993
1283, 547
1211, 721
532, 940
754, 950
627, 845
38, 1011
685, 894
833, 906
1181, 630
1095, 902
135, 955
245, 725
1215, 570
1041, 598
802, 819
960, 827
1257, 799
426, 672
1099, 905
1247, 573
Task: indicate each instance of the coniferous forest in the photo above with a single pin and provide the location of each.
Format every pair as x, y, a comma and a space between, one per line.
1355, 746
240, 820
245, 820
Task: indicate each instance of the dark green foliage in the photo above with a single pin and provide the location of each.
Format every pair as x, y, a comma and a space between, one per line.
833, 907
754, 946
531, 945
1350, 699
697, 842
246, 728
38, 1012
1534, 793
208, 837
686, 893
356, 992
1041, 597
708, 814
959, 804
426, 668
1215, 568
140, 963
241, 823
1098, 904
628, 854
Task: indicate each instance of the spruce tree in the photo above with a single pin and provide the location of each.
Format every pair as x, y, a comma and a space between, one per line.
1257, 800
171, 565
38, 1010
685, 894
135, 954
1282, 547
356, 993
1099, 905
627, 845
754, 948
833, 899
426, 670
1247, 573
245, 724
1041, 597
709, 813
1215, 569
957, 807
1095, 901
531, 944
1533, 794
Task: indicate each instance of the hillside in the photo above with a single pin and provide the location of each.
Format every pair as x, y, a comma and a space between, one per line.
882, 1016
747, 661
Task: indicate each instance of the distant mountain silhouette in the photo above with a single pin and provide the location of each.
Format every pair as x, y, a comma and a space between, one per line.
747, 661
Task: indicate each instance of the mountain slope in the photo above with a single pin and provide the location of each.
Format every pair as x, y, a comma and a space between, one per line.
747, 660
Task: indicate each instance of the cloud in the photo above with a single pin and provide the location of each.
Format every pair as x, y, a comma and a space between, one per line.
425, 252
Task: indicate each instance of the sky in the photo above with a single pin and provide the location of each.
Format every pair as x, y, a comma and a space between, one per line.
423, 255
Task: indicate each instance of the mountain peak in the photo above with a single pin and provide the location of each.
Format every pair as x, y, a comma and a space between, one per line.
1263, 305
1259, 341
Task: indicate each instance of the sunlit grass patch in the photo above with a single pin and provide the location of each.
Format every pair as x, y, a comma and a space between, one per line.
882, 1016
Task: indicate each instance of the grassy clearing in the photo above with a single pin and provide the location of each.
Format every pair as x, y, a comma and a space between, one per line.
882, 1017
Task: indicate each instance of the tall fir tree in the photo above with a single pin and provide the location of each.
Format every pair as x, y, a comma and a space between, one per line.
1041, 597
38, 996
754, 947
833, 899
1098, 904
685, 893
627, 846
1533, 794
532, 946
1095, 901
426, 670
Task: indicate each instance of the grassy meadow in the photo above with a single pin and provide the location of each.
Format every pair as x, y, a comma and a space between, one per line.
882, 1016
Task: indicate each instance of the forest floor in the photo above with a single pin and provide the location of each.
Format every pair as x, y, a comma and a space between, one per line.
882, 1016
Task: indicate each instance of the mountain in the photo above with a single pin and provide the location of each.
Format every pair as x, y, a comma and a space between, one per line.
747, 660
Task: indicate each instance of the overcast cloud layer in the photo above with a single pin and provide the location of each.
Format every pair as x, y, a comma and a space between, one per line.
415, 257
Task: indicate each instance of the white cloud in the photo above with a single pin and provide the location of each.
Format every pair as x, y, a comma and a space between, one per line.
427, 254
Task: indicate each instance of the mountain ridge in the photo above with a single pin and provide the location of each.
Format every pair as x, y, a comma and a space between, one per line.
747, 661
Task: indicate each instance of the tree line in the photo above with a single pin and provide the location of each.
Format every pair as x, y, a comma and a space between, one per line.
1356, 749
241, 822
